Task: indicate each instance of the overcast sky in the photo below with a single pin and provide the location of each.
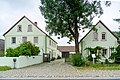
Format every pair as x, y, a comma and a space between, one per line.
12, 10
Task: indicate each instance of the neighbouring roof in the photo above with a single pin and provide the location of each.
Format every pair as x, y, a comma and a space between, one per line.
105, 27
32, 23
66, 48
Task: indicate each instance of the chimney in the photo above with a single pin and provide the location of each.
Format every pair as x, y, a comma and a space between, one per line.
35, 23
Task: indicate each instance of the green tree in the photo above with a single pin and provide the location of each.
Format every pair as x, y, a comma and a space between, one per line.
116, 55
68, 17
118, 20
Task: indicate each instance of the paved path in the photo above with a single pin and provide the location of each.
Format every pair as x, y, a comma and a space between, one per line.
57, 69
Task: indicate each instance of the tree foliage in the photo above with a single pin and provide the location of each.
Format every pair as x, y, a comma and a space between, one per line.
116, 55
26, 49
68, 17
94, 51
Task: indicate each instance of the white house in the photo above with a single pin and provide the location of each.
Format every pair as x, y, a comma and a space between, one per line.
102, 37
25, 30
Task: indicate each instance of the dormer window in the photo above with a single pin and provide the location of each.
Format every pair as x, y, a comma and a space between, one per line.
29, 28
19, 28
103, 36
95, 36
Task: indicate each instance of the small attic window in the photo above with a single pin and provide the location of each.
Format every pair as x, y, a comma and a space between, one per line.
19, 28
30, 28
103, 36
95, 36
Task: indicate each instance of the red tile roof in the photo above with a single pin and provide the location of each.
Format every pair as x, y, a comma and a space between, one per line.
66, 48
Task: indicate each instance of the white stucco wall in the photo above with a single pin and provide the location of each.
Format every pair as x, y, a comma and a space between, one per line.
42, 44
89, 41
51, 48
30, 35
22, 61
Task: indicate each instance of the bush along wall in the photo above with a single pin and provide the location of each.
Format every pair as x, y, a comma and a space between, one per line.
77, 60
26, 49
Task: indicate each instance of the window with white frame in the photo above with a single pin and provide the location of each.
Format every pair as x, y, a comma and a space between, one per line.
95, 36
19, 28
103, 36
13, 40
30, 28
35, 39
24, 39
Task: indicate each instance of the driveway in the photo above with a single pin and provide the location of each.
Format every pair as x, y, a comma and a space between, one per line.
57, 69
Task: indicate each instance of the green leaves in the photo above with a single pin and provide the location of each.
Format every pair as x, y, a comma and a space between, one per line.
26, 49
77, 60
67, 17
116, 55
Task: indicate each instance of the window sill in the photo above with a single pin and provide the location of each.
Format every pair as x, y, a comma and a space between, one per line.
103, 40
35, 43
95, 40
13, 43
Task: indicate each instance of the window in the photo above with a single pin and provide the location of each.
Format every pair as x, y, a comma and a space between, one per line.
29, 28
24, 39
103, 35
35, 39
13, 40
104, 52
95, 36
19, 28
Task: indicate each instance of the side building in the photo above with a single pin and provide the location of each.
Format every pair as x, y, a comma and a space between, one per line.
103, 37
66, 51
25, 30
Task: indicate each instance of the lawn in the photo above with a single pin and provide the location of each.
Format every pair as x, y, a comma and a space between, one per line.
101, 67
4, 68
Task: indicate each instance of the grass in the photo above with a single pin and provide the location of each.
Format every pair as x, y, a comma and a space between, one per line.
99, 66
4, 68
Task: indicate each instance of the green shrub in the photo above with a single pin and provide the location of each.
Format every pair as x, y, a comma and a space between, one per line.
77, 60
116, 55
94, 51
58, 57
90, 57
26, 49
12, 52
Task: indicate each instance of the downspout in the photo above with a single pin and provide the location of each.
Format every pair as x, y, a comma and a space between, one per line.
45, 43
81, 47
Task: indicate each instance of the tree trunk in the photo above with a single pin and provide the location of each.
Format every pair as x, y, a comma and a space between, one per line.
76, 45
76, 37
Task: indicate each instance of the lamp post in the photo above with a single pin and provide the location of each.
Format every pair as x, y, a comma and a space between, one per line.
14, 60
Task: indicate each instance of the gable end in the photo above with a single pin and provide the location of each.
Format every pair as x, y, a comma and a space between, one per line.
105, 27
